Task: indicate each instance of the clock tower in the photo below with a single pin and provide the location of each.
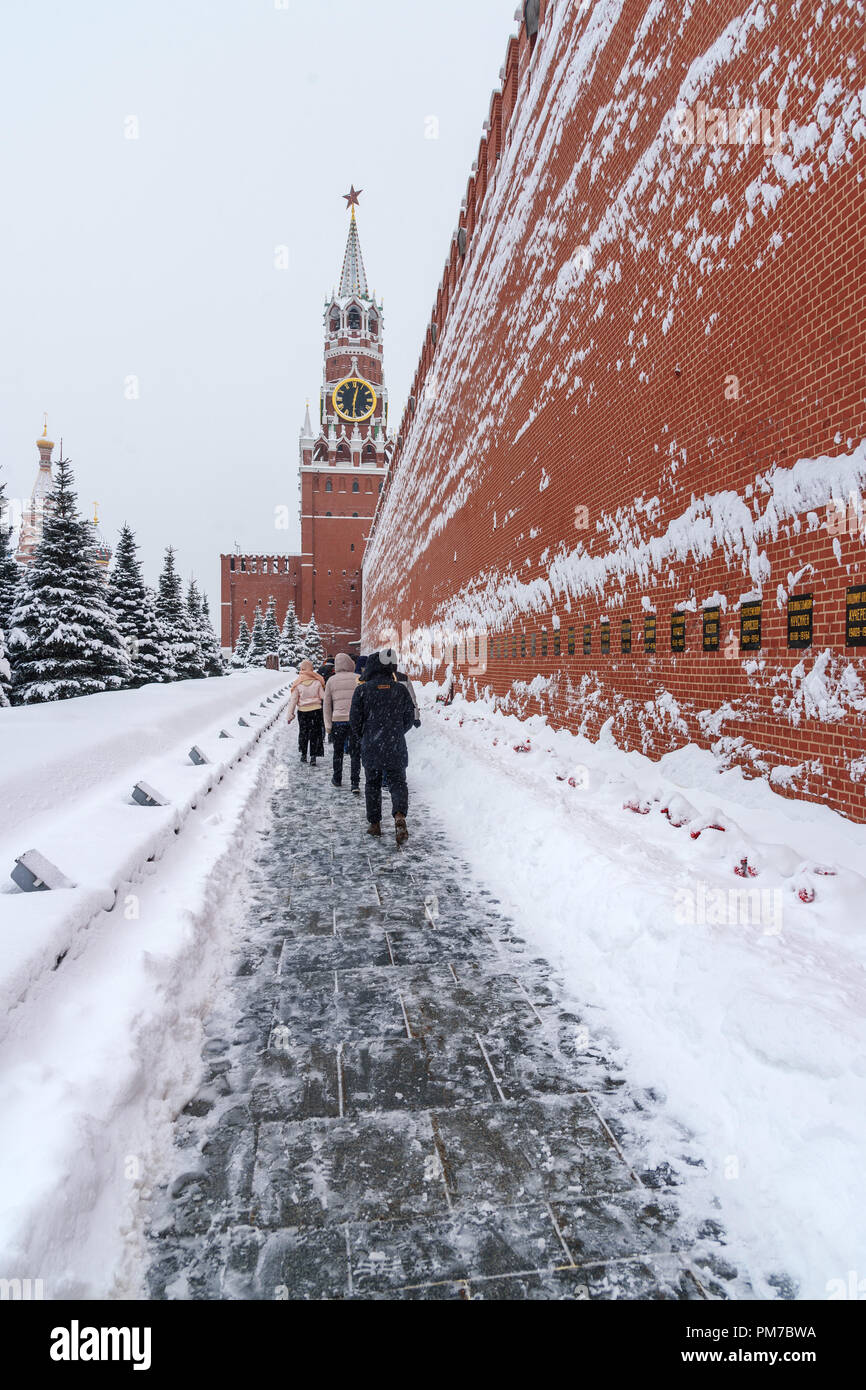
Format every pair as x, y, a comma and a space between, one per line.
344, 455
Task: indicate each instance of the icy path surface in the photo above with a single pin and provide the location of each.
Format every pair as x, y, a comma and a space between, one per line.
396, 1102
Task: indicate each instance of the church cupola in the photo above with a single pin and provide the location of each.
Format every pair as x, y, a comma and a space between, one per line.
40, 501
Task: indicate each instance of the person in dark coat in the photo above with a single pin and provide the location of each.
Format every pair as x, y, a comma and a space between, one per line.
382, 714
359, 666
327, 669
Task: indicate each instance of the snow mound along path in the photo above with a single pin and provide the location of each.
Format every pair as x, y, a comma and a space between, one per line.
66, 781
714, 931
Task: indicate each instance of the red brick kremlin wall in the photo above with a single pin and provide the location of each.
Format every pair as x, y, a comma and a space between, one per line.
642, 388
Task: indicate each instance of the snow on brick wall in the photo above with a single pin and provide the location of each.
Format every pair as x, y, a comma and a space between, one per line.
645, 392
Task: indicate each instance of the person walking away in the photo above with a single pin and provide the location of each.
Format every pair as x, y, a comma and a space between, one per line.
308, 694
382, 714
336, 710
404, 680
327, 669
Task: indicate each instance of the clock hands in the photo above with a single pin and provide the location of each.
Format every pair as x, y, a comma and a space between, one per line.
354, 399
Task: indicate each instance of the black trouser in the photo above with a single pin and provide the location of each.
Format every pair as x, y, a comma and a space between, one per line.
311, 732
344, 742
397, 786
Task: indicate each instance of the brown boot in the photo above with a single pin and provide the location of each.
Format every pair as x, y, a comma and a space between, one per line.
400, 827
374, 829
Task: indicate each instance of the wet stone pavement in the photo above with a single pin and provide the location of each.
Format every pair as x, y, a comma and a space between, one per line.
397, 1104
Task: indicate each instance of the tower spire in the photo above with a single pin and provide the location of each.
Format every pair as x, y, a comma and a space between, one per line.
354, 277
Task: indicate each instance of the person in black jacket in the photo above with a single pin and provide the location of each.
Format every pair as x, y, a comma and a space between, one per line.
382, 714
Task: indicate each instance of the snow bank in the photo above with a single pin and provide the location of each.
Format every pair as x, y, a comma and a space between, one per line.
717, 931
103, 1052
67, 773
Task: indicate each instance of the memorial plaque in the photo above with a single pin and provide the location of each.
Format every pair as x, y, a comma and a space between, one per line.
571, 641
855, 617
587, 639
544, 644
649, 633
712, 629
800, 607
625, 637
557, 643
523, 644
513, 647
605, 639
678, 632
750, 627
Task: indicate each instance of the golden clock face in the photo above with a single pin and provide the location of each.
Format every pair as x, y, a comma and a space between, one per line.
354, 399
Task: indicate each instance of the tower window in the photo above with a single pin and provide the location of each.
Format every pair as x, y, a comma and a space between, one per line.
354, 513
354, 319
353, 545
335, 321
374, 326
329, 486
328, 513
356, 487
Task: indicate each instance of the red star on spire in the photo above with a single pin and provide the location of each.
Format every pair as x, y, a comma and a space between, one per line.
353, 197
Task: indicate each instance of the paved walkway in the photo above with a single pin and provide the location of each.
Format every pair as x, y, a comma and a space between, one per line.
396, 1104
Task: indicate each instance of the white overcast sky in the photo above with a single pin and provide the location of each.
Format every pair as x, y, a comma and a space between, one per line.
154, 257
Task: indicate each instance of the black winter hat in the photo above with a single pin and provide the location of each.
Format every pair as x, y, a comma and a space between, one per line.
381, 664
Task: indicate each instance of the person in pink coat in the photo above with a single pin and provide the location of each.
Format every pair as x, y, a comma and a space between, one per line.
308, 694
338, 703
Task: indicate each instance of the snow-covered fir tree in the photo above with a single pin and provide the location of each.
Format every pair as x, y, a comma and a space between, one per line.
242, 646
213, 657
272, 629
197, 668
291, 650
5, 672
164, 650
64, 640
134, 610
256, 653
313, 649
176, 633
9, 568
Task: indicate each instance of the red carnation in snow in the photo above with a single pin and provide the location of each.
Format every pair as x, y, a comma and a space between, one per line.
745, 870
696, 834
806, 895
